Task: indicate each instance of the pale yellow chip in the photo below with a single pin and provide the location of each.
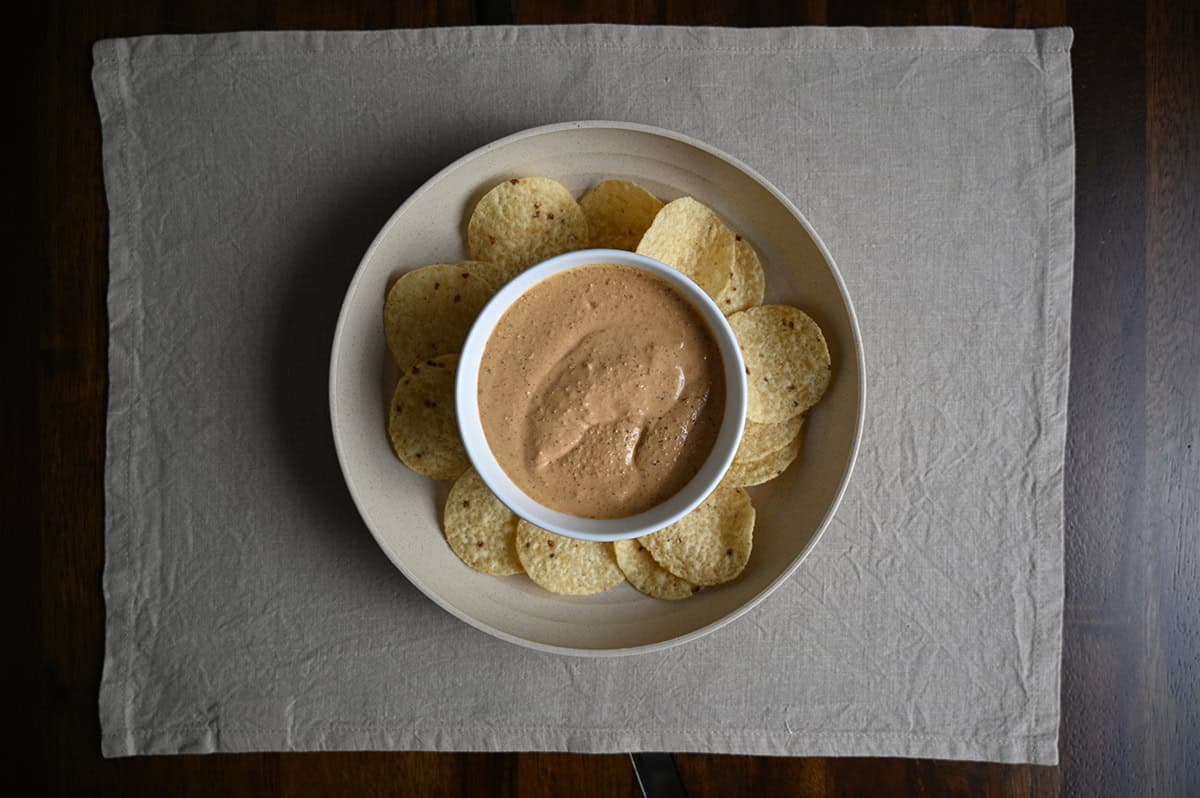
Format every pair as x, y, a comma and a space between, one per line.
618, 214
687, 236
479, 528
711, 544
764, 468
422, 424
565, 565
748, 283
644, 572
762, 439
524, 221
430, 310
787, 361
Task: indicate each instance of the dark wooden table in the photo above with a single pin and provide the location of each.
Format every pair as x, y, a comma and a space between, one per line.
1131, 685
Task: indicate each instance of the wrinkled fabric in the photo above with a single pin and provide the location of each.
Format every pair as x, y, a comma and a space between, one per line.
248, 608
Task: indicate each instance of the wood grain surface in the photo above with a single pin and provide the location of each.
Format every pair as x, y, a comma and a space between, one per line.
1131, 685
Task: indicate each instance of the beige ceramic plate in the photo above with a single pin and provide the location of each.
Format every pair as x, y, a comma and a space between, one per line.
403, 509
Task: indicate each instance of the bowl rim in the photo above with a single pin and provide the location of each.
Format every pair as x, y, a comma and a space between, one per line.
856, 343
703, 482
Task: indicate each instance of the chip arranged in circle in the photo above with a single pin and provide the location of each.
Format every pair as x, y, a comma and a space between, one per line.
428, 313
766, 467
422, 424
565, 565
787, 361
524, 221
645, 574
747, 284
687, 236
710, 545
618, 213
430, 310
479, 528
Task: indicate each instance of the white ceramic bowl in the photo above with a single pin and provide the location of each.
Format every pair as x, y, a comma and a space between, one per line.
403, 510
657, 517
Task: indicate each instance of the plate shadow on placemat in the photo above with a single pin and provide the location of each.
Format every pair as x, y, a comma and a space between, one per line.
304, 315
302, 321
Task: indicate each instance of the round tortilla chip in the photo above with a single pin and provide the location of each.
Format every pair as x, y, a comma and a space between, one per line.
479, 528
524, 221
429, 311
748, 282
687, 236
711, 544
787, 361
644, 572
765, 468
618, 214
564, 565
762, 439
422, 424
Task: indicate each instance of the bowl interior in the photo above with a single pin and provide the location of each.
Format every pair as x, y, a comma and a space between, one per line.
403, 509
674, 508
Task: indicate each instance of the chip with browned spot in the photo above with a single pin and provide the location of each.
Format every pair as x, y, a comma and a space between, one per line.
422, 423
747, 284
524, 221
787, 361
479, 528
644, 572
565, 565
711, 544
430, 310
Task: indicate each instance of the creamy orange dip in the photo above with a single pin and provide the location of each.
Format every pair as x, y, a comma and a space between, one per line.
601, 391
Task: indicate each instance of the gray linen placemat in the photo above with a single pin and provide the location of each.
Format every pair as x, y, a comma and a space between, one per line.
248, 607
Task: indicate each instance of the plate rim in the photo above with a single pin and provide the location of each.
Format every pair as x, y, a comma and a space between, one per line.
856, 335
